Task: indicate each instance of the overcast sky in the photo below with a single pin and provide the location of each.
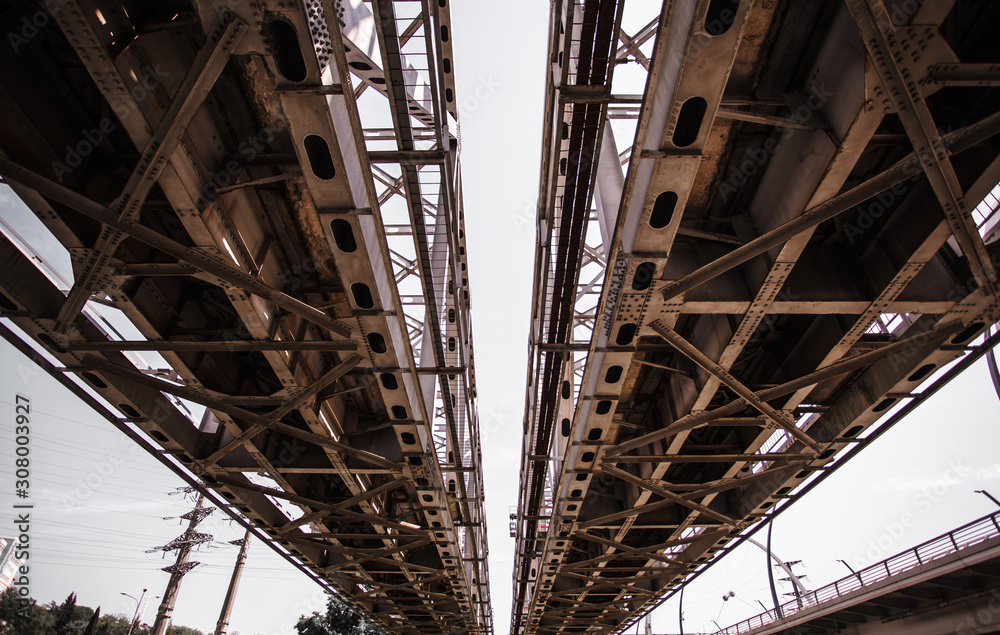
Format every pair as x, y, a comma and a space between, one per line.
100, 502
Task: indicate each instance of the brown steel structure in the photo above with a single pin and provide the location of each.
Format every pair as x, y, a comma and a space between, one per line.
789, 254
282, 254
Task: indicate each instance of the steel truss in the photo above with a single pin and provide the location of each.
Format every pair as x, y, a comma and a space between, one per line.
280, 257
790, 255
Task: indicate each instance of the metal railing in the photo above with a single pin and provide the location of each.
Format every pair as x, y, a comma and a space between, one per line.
962, 538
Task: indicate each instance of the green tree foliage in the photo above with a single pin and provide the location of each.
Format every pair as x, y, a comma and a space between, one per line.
92, 624
340, 619
68, 618
25, 617
118, 625
19, 617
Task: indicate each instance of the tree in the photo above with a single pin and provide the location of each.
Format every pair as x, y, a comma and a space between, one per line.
21, 616
340, 619
92, 625
118, 625
64, 616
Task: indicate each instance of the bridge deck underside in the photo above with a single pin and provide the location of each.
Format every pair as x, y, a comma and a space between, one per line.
242, 238
795, 251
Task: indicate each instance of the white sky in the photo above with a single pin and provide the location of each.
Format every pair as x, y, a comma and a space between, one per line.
927, 467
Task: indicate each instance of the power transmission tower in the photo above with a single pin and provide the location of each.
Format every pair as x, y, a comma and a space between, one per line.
234, 583
182, 544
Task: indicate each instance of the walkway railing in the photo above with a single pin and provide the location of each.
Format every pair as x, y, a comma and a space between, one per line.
962, 538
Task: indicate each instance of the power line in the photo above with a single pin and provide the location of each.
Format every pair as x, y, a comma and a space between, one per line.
107, 483
142, 462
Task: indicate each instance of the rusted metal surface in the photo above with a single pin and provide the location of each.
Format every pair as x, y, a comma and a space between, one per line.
780, 274
205, 166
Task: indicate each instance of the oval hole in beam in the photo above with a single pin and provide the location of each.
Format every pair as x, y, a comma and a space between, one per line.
967, 334
663, 210
320, 159
377, 343
921, 372
643, 276
285, 47
362, 295
6, 304
720, 16
689, 122
626, 332
94, 380
129, 411
343, 235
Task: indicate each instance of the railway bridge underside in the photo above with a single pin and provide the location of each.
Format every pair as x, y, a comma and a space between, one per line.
236, 230
795, 249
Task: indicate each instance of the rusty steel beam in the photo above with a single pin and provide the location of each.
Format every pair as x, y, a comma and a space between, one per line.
902, 170
227, 345
275, 416
934, 336
264, 320
892, 62
692, 353
207, 67
215, 267
682, 223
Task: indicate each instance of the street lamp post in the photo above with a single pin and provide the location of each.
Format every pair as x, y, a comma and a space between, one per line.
135, 616
145, 605
851, 569
988, 495
680, 611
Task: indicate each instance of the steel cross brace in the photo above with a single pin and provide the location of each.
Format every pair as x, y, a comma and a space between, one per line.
208, 401
891, 62
208, 65
614, 544
667, 494
292, 404
644, 552
692, 353
366, 495
308, 502
224, 345
934, 336
304, 539
359, 556
900, 171
210, 265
